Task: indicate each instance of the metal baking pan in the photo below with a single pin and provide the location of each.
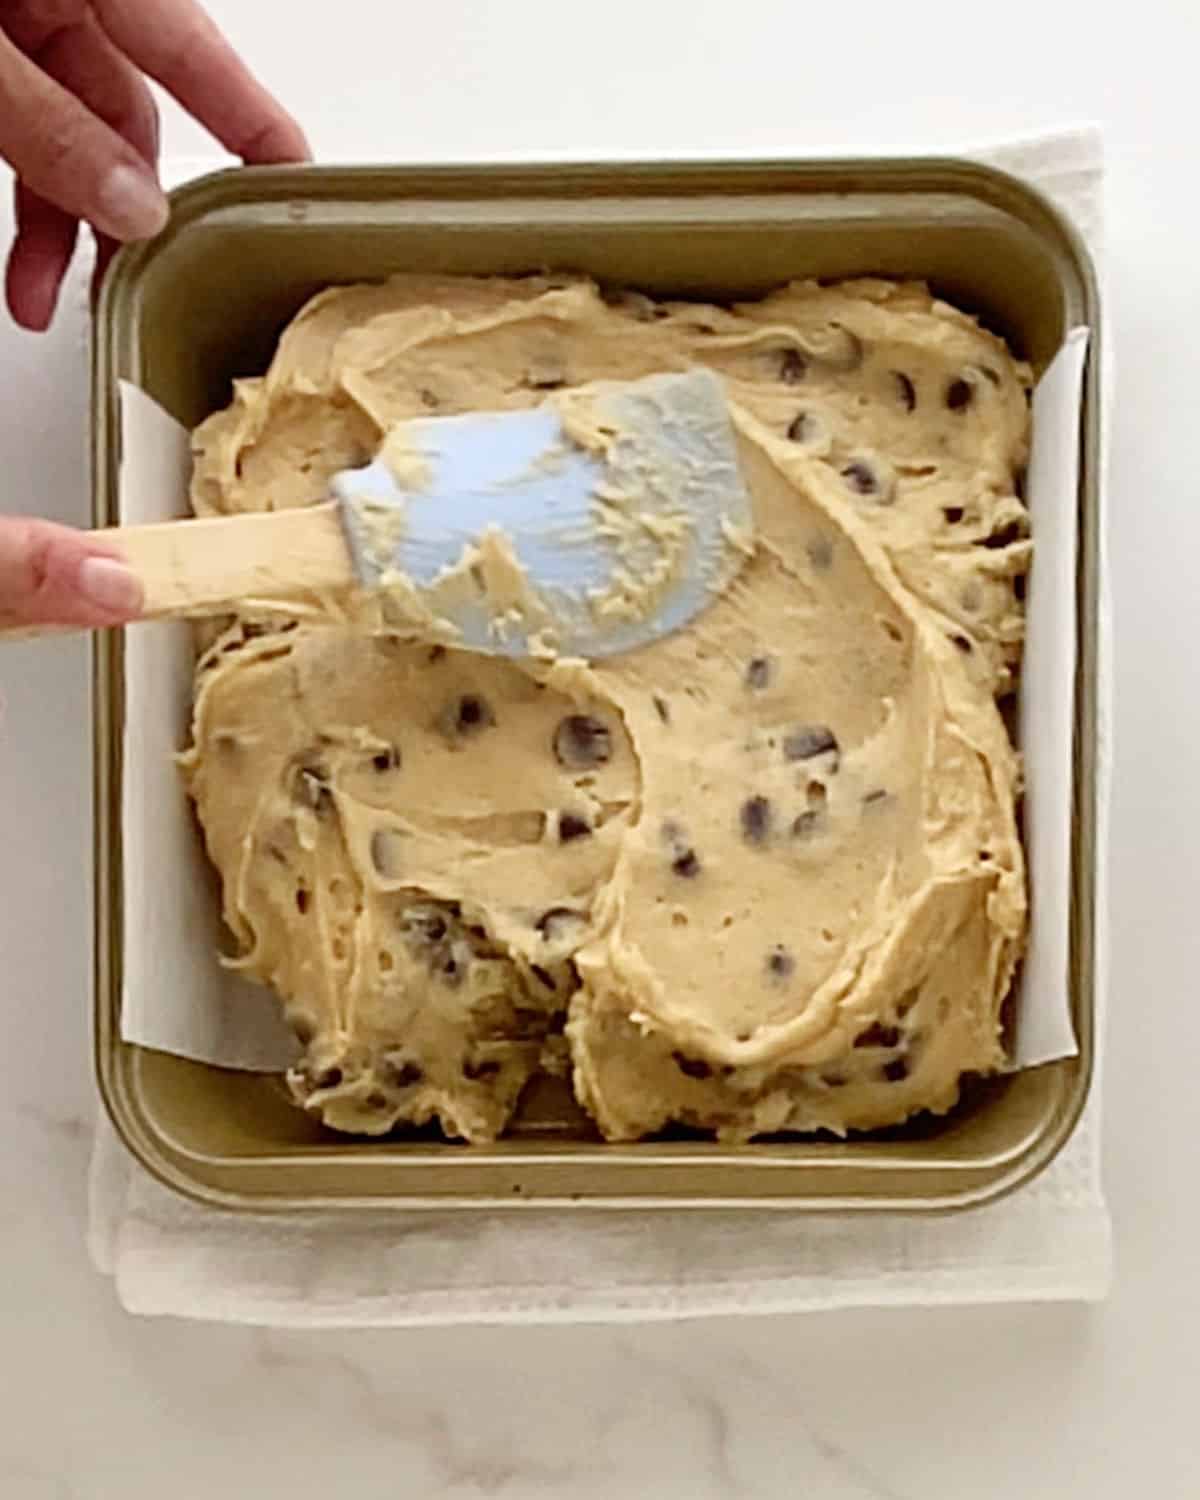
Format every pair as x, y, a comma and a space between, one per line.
206, 301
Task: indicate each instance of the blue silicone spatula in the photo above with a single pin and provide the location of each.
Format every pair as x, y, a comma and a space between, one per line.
587, 526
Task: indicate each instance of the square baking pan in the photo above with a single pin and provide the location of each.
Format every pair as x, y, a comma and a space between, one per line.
206, 301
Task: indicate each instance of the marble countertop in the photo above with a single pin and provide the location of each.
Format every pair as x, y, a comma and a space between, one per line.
975, 1404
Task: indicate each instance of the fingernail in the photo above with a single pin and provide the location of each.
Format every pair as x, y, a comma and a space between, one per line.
110, 586
131, 206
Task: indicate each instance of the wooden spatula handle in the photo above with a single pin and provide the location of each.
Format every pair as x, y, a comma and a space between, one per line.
211, 564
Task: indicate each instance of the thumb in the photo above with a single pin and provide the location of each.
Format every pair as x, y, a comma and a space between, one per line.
53, 575
70, 157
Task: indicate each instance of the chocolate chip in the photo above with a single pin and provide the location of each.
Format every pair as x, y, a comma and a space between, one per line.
302, 899
992, 375
802, 428
1005, 537
953, 514
251, 630
436, 653
808, 741
693, 1067
662, 708
429, 399
450, 967
895, 1071
1018, 585
543, 976
571, 826
878, 1035
872, 799
963, 643
792, 367
423, 926
466, 716
582, 742
755, 818
400, 1071
908, 391
959, 394
861, 478
686, 864
386, 760
780, 963
808, 823
758, 673
488, 1067
327, 1078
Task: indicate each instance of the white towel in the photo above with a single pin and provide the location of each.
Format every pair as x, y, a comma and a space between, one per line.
1051, 1240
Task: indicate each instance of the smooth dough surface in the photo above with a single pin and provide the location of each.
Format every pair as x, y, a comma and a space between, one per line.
764, 874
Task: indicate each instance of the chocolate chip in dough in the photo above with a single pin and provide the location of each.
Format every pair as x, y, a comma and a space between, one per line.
691, 1067
758, 673
302, 900
399, 1071
952, 514
582, 742
486, 1067
807, 741
386, 760
780, 963
326, 1078
662, 708
571, 826
896, 1071
465, 716
792, 367
686, 864
1005, 536
1019, 585
873, 799
878, 1035
756, 819
963, 644
803, 428
436, 654
862, 478
959, 394
908, 391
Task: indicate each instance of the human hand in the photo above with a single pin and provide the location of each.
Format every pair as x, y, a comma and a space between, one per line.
54, 575
79, 126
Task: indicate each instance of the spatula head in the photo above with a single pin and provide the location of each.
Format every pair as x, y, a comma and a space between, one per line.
587, 526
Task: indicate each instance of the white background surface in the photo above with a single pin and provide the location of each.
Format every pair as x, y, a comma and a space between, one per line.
978, 1404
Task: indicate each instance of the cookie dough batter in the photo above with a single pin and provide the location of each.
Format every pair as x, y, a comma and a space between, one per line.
764, 874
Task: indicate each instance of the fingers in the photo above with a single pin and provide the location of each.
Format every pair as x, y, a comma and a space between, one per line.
176, 43
38, 260
70, 157
79, 56
52, 575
